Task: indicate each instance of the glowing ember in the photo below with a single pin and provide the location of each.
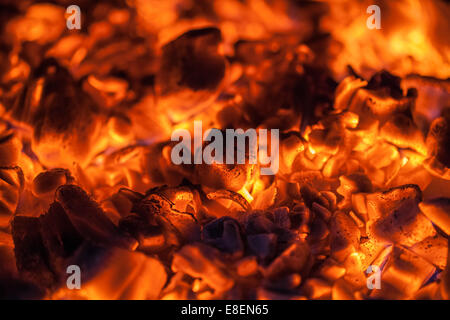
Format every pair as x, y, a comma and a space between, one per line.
88, 181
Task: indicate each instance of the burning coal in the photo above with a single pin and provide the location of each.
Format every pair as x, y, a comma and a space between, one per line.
227, 149
358, 202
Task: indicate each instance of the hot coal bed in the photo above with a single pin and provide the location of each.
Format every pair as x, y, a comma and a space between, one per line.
92, 205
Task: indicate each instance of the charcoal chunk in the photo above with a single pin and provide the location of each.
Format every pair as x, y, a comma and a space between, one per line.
394, 216
384, 80
191, 73
438, 140
58, 234
201, 261
283, 284
262, 245
11, 185
10, 147
45, 183
192, 61
151, 238
311, 195
438, 211
110, 273
257, 222
65, 121
402, 131
32, 257
345, 235
19, 289
11, 284
178, 226
224, 234
433, 249
294, 259
282, 219
403, 275
89, 219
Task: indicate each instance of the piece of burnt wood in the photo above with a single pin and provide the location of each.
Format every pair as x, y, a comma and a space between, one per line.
59, 235
438, 140
224, 234
32, 257
438, 211
258, 222
177, 226
311, 195
65, 120
11, 186
151, 238
11, 285
192, 60
394, 216
43, 244
89, 219
110, 273
191, 73
10, 148
202, 261
262, 245
345, 236
295, 259
46, 182
282, 217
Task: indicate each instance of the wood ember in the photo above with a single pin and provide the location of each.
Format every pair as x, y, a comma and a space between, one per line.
433, 249
445, 284
345, 236
31, 255
432, 97
401, 131
231, 177
89, 219
191, 69
65, 116
262, 245
294, 259
224, 234
86, 176
394, 215
44, 244
317, 288
128, 269
437, 141
46, 16
12, 285
404, 275
178, 225
47, 182
11, 186
59, 235
438, 211
151, 238
9, 149
201, 261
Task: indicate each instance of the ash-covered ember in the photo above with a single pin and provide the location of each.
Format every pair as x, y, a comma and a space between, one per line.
86, 177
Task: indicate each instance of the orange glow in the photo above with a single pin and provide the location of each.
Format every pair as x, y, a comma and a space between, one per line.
86, 119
